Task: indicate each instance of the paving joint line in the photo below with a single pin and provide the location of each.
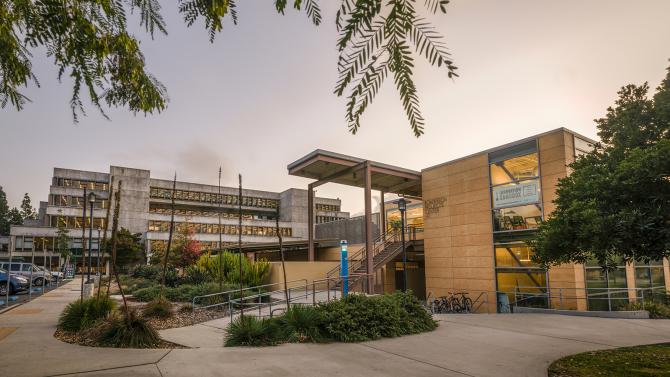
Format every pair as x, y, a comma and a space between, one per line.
101, 369
417, 360
534, 334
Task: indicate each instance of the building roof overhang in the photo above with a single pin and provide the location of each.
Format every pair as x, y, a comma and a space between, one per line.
325, 166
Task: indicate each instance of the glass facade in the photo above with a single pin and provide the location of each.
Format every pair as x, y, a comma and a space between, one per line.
75, 201
208, 197
413, 215
71, 222
327, 219
327, 207
247, 230
516, 211
650, 278
80, 183
606, 289
210, 213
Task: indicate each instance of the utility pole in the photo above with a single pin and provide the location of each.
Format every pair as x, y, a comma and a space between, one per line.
220, 253
239, 239
83, 242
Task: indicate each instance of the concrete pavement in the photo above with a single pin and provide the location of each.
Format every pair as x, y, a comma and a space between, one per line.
463, 345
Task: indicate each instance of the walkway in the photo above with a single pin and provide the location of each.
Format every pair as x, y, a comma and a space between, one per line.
463, 345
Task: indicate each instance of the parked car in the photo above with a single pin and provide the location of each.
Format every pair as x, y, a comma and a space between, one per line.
16, 284
28, 270
53, 274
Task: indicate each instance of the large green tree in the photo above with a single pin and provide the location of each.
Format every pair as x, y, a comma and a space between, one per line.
616, 202
90, 42
4, 213
129, 248
27, 210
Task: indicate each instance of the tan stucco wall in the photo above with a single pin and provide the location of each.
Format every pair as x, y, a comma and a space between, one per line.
458, 236
300, 270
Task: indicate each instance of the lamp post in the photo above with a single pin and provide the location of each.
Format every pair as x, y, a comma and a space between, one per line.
97, 268
402, 207
91, 200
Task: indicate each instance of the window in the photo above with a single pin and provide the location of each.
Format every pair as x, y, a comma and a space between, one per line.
514, 169
517, 218
514, 256
650, 278
523, 287
582, 146
606, 289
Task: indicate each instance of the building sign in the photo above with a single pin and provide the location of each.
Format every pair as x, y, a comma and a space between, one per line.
432, 206
516, 195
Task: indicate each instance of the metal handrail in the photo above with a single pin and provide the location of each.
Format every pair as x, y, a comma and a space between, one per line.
232, 291
257, 299
359, 255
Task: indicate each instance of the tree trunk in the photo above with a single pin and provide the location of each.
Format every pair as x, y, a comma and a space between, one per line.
115, 227
283, 266
169, 244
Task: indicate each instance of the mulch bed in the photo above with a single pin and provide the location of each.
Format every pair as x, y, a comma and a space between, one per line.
84, 339
184, 318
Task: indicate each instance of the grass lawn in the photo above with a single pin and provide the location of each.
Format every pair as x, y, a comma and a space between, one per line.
649, 360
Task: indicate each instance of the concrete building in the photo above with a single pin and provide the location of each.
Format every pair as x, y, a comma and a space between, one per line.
469, 220
145, 209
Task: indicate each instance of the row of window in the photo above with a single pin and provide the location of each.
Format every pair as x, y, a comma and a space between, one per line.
247, 230
327, 219
210, 213
72, 222
607, 289
80, 183
26, 243
204, 245
327, 207
75, 201
208, 197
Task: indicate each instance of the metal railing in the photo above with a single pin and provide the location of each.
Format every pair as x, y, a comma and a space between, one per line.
258, 302
380, 244
213, 300
563, 298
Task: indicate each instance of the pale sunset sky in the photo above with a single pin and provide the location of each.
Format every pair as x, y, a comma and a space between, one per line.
261, 96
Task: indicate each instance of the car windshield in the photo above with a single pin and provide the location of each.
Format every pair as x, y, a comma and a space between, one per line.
3, 271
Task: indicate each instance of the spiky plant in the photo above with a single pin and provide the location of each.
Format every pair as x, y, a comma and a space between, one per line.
129, 330
160, 307
248, 330
82, 314
301, 324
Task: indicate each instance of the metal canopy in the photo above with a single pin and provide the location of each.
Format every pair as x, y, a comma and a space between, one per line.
325, 167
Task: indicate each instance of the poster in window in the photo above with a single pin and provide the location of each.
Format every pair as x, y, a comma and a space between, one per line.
520, 194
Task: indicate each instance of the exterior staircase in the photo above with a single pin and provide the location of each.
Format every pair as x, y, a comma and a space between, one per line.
385, 248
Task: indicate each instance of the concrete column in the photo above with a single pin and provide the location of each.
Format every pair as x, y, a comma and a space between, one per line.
630, 282
382, 215
666, 273
310, 223
369, 262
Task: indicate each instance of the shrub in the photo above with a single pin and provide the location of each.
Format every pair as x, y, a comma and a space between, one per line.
250, 331
194, 275
147, 294
359, 318
301, 324
82, 314
131, 332
656, 310
146, 272
160, 307
183, 293
186, 308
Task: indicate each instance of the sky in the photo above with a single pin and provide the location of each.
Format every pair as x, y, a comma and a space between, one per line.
261, 96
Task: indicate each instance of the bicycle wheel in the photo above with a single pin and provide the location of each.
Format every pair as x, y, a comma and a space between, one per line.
467, 304
455, 305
